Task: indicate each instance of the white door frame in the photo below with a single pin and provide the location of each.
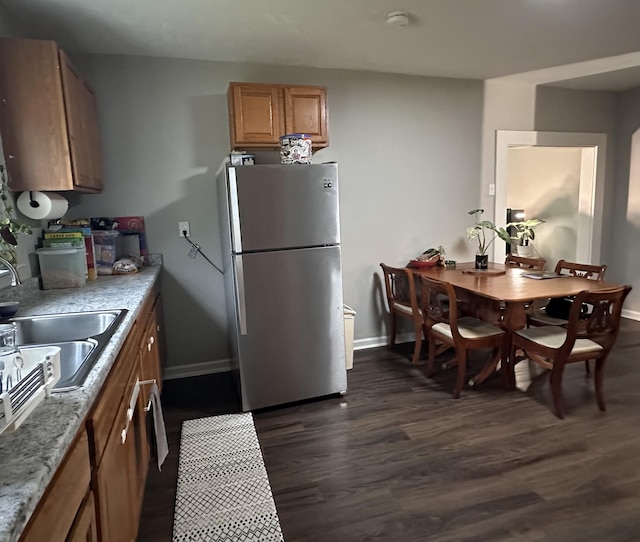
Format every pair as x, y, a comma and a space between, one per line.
592, 183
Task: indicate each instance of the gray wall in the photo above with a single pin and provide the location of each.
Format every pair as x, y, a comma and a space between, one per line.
566, 110
618, 115
408, 149
624, 239
9, 27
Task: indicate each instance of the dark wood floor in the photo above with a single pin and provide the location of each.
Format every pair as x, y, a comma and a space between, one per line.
397, 459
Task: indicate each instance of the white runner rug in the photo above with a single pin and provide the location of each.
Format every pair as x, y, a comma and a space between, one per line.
223, 489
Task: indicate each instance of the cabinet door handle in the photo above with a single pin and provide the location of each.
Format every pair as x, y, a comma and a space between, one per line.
240, 301
131, 410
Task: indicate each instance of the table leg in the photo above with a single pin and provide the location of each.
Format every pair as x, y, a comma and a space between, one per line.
514, 318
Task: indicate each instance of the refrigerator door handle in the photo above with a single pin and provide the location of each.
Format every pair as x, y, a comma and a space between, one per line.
234, 212
240, 298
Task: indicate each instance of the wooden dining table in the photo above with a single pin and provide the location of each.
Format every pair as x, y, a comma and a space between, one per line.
501, 294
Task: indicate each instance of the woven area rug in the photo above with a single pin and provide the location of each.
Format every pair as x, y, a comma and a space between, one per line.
223, 489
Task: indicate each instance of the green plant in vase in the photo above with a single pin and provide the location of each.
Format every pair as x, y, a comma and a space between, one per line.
9, 226
485, 232
524, 234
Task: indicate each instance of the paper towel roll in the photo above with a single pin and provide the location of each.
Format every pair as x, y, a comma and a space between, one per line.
41, 205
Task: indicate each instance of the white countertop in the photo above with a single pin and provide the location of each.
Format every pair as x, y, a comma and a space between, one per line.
30, 455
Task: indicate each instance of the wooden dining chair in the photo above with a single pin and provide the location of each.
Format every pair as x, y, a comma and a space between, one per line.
445, 327
527, 263
582, 339
538, 315
400, 286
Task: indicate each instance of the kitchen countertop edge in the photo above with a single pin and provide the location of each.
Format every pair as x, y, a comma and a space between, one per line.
31, 454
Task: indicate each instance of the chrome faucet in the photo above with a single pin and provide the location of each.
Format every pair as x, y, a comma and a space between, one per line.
15, 279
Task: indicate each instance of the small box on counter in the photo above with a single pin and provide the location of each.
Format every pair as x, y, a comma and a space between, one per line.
62, 268
108, 249
61, 236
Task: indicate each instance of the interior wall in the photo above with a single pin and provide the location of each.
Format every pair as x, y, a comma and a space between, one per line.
404, 185
545, 182
507, 106
9, 27
567, 110
626, 218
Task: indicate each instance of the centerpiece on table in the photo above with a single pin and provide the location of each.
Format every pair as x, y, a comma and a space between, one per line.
486, 232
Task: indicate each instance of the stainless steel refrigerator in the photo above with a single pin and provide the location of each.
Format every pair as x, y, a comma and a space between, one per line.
283, 280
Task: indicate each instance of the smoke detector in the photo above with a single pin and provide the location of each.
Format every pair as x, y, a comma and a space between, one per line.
398, 18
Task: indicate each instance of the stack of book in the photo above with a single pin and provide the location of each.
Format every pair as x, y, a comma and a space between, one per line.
73, 237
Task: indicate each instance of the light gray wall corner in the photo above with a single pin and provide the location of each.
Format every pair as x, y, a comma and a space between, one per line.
568, 110
625, 230
409, 155
507, 105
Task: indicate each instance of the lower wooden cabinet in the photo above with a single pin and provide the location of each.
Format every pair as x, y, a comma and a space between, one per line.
85, 528
121, 473
151, 348
97, 492
116, 478
57, 510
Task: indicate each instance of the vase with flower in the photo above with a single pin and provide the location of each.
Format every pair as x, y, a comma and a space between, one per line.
486, 232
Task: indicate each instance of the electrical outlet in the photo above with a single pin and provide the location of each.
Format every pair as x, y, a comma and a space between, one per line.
184, 227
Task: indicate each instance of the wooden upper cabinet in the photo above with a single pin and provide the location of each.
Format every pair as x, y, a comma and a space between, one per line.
306, 113
259, 114
48, 120
256, 115
82, 126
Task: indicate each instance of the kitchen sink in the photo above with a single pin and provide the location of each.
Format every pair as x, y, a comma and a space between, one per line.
81, 337
75, 362
73, 326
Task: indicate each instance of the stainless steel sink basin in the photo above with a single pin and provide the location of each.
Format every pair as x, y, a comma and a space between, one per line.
55, 328
75, 362
81, 337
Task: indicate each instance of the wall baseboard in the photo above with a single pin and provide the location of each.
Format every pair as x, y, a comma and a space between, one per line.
197, 369
223, 365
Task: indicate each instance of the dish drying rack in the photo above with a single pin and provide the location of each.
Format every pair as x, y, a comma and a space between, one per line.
40, 373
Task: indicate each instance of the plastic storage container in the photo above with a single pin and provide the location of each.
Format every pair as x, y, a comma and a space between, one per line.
107, 249
62, 268
349, 321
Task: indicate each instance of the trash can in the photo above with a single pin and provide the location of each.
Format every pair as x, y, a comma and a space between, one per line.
349, 317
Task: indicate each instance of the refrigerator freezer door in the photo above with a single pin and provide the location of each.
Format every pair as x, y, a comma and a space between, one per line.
293, 346
283, 206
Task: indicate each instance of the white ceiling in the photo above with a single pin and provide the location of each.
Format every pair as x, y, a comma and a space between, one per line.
479, 39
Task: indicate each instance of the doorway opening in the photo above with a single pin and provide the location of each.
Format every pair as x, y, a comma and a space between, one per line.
557, 177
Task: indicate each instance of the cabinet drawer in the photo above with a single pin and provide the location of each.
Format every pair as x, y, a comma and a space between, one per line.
57, 509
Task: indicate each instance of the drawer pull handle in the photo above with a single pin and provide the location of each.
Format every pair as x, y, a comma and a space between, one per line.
132, 406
